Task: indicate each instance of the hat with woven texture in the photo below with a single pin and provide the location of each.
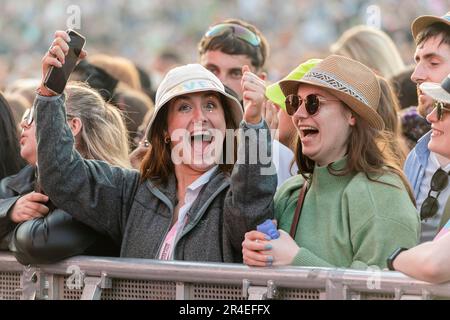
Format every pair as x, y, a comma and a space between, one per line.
350, 81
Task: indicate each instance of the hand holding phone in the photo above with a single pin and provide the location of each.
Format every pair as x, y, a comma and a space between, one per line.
61, 59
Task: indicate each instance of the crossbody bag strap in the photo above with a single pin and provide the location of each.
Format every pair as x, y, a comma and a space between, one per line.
298, 210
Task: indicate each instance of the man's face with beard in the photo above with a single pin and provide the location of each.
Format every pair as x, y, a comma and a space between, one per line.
432, 58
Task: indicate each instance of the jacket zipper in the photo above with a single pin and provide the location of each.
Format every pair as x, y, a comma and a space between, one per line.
202, 210
161, 196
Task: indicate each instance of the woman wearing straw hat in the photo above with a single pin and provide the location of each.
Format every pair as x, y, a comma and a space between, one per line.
185, 204
429, 261
358, 206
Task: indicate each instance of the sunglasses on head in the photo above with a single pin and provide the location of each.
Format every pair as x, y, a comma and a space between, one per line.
430, 206
238, 30
440, 109
312, 103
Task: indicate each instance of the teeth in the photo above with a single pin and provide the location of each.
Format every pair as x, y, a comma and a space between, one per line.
202, 136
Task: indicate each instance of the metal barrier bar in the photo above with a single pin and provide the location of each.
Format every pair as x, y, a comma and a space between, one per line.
257, 283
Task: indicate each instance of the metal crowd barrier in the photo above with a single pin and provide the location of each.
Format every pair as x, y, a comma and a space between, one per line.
118, 279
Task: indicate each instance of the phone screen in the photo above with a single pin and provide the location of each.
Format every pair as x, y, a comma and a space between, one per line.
56, 78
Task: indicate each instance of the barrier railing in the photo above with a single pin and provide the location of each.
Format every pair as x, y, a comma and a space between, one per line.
118, 278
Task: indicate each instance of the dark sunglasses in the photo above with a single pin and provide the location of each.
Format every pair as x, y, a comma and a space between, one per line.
440, 109
238, 30
430, 206
312, 103
28, 116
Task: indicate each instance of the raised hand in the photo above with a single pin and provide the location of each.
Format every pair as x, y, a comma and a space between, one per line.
55, 56
253, 94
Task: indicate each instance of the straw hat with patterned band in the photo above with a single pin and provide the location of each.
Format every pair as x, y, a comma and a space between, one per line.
187, 79
350, 81
424, 21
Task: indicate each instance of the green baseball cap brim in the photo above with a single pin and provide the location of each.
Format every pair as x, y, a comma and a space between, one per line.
274, 93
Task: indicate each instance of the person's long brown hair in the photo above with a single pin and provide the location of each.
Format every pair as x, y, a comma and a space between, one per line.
157, 164
388, 109
369, 151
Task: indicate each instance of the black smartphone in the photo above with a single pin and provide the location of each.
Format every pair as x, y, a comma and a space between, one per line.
56, 78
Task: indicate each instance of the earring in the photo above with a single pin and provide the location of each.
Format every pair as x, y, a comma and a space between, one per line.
167, 140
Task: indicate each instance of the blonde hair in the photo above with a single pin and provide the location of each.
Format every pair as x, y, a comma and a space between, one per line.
118, 67
103, 135
372, 47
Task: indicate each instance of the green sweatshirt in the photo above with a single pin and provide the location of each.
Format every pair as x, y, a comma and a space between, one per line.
348, 221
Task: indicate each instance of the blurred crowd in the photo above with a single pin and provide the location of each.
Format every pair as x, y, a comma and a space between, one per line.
140, 30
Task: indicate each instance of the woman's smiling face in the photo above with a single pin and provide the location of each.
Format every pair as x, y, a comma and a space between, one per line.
324, 135
197, 121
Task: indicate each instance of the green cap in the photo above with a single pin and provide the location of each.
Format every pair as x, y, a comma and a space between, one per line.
274, 93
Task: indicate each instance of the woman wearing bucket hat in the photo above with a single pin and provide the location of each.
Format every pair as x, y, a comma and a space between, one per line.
357, 208
183, 205
429, 261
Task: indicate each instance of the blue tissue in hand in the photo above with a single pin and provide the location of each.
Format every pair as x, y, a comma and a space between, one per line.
268, 227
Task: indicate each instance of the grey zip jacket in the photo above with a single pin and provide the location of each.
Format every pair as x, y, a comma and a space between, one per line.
137, 215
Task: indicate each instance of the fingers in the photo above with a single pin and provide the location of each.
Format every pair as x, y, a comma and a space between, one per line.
245, 68
62, 34
251, 78
256, 245
26, 212
62, 44
51, 61
36, 197
253, 86
83, 54
254, 258
35, 208
59, 49
25, 216
255, 97
256, 235
58, 53
253, 89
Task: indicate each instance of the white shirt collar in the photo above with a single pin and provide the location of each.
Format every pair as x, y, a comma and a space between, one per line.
203, 179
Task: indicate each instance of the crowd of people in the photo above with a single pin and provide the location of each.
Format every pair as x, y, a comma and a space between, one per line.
188, 172
155, 26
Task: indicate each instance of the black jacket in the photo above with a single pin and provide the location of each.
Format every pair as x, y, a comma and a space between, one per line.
49, 239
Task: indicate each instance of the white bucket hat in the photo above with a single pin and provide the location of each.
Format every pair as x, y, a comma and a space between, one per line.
439, 92
187, 79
